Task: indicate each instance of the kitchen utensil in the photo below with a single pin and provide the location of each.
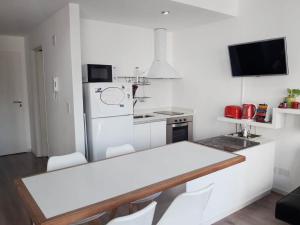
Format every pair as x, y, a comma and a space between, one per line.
283, 105
262, 113
233, 111
134, 89
295, 105
248, 111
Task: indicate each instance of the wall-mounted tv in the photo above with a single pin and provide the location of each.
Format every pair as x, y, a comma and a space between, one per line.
261, 58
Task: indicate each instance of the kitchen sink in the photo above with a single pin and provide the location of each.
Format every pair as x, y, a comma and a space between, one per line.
142, 116
226, 143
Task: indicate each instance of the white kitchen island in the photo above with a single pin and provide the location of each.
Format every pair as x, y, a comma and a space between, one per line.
66, 196
239, 185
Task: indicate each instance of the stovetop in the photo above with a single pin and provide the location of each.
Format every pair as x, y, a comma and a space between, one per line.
169, 113
229, 144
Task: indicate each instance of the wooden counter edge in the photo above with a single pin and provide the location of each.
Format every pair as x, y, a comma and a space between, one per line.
29, 203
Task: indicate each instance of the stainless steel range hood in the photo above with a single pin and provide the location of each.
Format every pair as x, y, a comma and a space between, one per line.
160, 68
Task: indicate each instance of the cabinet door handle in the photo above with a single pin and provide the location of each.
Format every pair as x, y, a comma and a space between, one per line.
180, 125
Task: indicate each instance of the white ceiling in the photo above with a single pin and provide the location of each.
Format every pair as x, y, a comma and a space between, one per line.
18, 17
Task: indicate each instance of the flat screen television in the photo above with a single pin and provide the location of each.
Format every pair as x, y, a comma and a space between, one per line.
261, 58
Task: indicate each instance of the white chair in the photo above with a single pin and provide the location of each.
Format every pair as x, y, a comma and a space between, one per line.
119, 150
65, 161
187, 208
123, 150
142, 217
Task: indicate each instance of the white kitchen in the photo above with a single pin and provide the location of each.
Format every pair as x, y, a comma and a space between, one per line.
149, 112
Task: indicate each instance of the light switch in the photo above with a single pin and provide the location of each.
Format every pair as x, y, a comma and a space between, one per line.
68, 107
55, 84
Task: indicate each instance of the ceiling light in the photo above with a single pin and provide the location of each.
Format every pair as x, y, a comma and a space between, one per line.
165, 12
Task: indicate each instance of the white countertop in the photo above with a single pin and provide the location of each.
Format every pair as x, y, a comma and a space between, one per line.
159, 117
69, 189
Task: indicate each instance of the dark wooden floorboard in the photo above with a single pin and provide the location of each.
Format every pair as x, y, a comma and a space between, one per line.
20, 165
259, 213
12, 211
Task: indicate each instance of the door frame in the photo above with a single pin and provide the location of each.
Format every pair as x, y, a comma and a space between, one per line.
39, 105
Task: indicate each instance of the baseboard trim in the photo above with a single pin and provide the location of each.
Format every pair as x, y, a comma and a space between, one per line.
282, 192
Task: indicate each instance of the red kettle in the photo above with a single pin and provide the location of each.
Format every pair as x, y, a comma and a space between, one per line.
248, 111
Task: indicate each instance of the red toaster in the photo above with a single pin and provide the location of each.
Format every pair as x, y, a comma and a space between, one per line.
233, 111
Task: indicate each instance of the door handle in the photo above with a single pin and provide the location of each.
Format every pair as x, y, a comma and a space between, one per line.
18, 102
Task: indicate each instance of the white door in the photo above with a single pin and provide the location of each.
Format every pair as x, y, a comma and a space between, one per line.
12, 118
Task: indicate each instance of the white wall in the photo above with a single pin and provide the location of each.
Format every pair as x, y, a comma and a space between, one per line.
17, 44
125, 47
62, 60
201, 55
76, 77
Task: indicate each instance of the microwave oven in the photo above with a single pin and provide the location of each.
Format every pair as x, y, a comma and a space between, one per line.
97, 73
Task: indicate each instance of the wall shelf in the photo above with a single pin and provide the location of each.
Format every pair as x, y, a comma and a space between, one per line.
132, 77
247, 122
277, 121
141, 83
141, 97
288, 111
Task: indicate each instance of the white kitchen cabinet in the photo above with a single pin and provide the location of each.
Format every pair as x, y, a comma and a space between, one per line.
259, 168
149, 135
238, 186
141, 136
158, 135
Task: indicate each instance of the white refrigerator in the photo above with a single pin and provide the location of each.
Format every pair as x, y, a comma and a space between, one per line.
109, 117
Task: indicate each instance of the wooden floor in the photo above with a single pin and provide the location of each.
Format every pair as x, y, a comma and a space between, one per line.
20, 165
11, 167
259, 213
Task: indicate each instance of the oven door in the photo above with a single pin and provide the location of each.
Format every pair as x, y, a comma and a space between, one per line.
99, 73
179, 132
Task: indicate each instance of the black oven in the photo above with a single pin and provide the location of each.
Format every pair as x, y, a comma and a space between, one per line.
97, 73
179, 129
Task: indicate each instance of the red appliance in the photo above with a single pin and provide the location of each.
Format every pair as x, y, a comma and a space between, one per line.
233, 111
248, 111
